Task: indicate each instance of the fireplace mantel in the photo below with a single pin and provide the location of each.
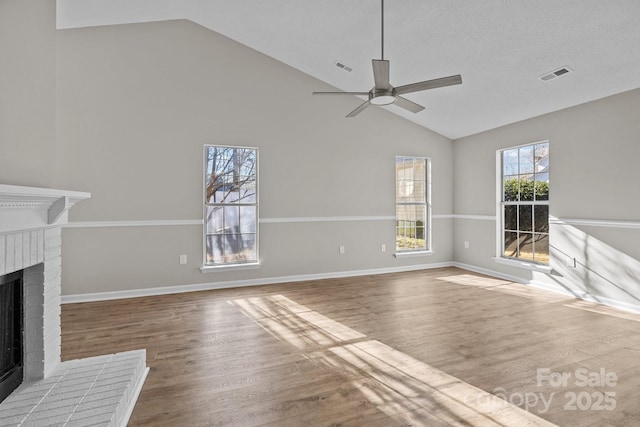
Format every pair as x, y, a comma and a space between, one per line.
38, 207
31, 221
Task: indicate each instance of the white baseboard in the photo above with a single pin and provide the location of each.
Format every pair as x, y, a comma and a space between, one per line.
620, 305
490, 272
164, 290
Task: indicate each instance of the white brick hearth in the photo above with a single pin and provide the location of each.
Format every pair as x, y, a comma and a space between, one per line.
93, 391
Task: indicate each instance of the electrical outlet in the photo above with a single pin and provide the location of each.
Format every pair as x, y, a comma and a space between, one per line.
383, 248
571, 262
341, 249
183, 259
466, 244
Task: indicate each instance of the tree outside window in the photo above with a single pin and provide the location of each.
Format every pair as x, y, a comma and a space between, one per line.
230, 205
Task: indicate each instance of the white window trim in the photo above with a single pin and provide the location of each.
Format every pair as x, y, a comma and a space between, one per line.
412, 254
499, 258
210, 268
428, 227
239, 266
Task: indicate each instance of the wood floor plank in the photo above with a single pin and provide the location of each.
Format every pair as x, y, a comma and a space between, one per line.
436, 347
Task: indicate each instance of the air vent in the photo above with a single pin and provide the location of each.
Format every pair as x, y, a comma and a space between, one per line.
556, 73
344, 67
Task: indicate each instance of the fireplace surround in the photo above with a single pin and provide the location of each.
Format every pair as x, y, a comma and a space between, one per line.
11, 333
53, 392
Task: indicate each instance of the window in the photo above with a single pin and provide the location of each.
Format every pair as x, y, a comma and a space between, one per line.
525, 203
413, 207
230, 205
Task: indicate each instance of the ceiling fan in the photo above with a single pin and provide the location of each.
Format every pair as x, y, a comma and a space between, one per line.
384, 94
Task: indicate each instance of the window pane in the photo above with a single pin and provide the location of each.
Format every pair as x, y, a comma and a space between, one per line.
248, 251
542, 248
418, 191
399, 168
248, 219
245, 162
405, 191
525, 218
511, 217
420, 215
232, 245
230, 195
525, 246
541, 218
541, 189
511, 189
231, 248
420, 169
247, 190
526, 161
214, 220
231, 219
542, 160
510, 162
510, 244
526, 189
215, 248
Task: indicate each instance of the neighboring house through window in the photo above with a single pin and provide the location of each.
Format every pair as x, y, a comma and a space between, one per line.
230, 205
524, 205
413, 207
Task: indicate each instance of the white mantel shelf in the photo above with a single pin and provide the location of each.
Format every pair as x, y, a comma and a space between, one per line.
39, 207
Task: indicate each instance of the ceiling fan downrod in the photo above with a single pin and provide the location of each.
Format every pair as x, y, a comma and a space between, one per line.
383, 93
382, 29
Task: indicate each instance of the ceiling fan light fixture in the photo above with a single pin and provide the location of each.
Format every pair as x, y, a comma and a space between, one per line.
383, 93
383, 100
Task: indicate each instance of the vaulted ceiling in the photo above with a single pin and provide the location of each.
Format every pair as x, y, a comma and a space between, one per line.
500, 47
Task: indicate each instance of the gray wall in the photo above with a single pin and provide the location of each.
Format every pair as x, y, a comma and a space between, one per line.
136, 104
594, 151
123, 112
27, 92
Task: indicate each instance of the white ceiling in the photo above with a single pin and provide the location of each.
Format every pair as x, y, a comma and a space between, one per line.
500, 47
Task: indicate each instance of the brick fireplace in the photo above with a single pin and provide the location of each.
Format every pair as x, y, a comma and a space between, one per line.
55, 392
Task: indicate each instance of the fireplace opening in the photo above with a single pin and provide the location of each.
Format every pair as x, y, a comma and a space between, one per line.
11, 333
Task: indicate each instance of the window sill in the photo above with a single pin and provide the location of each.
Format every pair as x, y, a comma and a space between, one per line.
412, 254
218, 268
523, 264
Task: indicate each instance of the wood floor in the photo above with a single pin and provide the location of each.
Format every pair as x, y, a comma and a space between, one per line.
424, 348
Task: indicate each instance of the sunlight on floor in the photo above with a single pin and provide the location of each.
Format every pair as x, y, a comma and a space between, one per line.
602, 309
402, 387
472, 280
294, 323
531, 293
506, 287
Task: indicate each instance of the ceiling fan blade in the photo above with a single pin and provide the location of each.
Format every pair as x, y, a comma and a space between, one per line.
358, 110
408, 105
340, 93
430, 84
381, 73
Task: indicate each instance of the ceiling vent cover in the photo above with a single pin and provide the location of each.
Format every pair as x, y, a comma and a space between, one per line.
556, 73
344, 67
